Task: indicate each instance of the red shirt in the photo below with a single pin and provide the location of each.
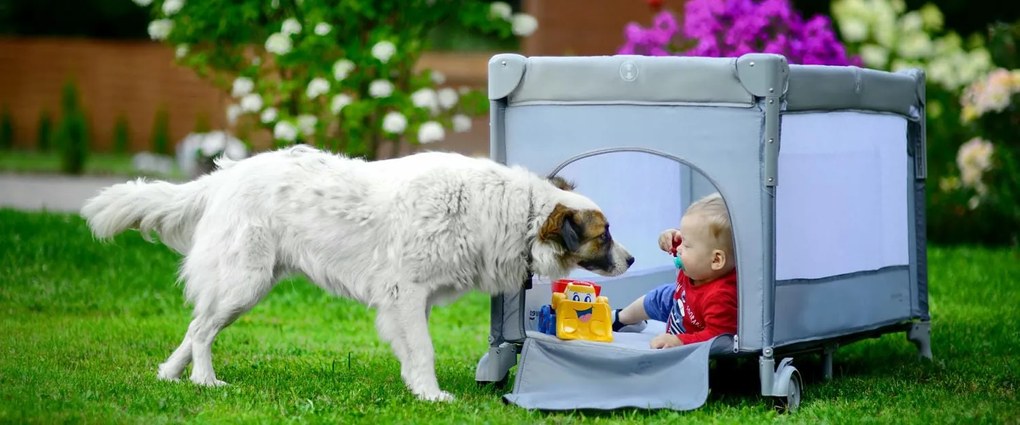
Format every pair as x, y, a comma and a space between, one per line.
707, 310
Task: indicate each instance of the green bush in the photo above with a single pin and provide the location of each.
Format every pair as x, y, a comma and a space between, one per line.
44, 132
121, 135
161, 132
6, 129
72, 132
341, 75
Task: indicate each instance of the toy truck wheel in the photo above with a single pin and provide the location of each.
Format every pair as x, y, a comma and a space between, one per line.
790, 401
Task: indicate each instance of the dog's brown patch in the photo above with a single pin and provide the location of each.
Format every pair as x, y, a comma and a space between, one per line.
551, 228
581, 233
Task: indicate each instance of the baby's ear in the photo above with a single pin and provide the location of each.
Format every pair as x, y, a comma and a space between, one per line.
719, 259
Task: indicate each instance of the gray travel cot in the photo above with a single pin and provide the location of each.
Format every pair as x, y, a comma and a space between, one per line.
822, 169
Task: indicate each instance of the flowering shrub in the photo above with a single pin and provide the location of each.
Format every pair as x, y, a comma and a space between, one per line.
988, 164
736, 27
337, 74
888, 37
969, 160
990, 95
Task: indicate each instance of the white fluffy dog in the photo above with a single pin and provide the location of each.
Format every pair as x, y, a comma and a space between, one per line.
399, 235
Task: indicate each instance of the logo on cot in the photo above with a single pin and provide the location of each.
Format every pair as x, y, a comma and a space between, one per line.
628, 71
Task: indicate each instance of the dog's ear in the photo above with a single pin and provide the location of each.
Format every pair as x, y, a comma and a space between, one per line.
562, 183
561, 227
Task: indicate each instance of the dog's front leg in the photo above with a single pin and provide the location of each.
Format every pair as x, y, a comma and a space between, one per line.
404, 324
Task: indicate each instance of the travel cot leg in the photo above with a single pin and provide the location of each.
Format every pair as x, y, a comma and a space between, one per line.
827, 353
920, 335
494, 366
783, 383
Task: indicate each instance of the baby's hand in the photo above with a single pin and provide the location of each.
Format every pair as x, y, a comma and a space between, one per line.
665, 341
668, 239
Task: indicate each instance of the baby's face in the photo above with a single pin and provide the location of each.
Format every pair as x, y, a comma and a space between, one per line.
696, 249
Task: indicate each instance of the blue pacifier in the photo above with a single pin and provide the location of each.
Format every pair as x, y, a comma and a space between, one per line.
679, 264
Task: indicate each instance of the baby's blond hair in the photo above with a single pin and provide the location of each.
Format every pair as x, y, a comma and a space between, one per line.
713, 209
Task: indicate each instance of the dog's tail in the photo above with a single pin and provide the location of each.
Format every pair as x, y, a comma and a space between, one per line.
170, 210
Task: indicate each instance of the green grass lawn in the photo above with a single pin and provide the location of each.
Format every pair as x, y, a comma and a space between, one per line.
85, 325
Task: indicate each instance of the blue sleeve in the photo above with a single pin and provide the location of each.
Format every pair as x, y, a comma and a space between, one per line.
659, 301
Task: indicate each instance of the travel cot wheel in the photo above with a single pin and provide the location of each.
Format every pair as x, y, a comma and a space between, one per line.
789, 402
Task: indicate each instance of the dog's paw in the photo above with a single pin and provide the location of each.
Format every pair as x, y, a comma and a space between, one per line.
442, 396
209, 382
164, 374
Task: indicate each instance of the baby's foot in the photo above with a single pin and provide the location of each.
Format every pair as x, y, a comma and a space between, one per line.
620, 327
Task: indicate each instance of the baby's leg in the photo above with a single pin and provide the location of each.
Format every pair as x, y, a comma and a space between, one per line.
633, 313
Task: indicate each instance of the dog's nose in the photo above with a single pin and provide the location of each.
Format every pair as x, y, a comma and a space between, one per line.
630, 260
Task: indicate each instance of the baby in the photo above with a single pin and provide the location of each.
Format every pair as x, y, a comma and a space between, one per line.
702, 303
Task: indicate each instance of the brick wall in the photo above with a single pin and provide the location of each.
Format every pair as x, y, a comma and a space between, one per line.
113, 78
585, 27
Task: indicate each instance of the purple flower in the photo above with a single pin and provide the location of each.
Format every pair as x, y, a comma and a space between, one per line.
736, 27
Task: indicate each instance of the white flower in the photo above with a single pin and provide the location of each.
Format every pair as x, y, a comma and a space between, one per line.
911, 22
285, 131
275, 4
383, 51
160, 29
341, 68
269, 115
394, 122
430, 132
380, 88
461, 123
915, 45
142, 3
501, 10
235, 149
170, 7
318, 86
251, 103
853, 29
338, 103
213, 144
322, 28
438, 77
279, 44
447, 97
306, 123
523, 24
874, 56
290, 26
181, 51
932, 17
233, 111
973, 159
425, 98
242, 86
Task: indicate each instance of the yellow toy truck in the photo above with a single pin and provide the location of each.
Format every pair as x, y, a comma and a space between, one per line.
577, 312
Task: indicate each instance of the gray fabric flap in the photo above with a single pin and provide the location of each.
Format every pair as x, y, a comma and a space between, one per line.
631, 79
566, 375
